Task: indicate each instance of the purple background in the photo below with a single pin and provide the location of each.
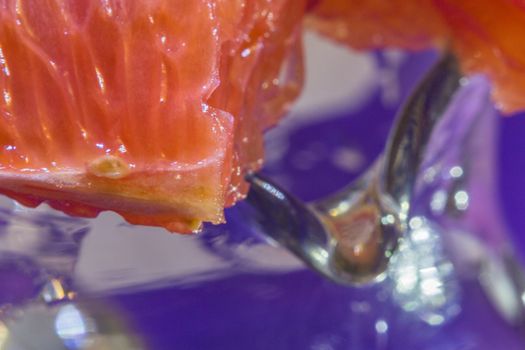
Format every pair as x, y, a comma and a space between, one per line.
300, 310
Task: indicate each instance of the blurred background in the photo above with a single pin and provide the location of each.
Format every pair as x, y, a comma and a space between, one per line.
228, 287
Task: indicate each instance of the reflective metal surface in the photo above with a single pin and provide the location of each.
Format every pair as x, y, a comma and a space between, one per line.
417, 208
349, 237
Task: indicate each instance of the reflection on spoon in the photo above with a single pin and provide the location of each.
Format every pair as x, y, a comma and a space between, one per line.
349, 237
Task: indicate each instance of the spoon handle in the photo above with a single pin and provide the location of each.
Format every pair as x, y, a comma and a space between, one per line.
350, 236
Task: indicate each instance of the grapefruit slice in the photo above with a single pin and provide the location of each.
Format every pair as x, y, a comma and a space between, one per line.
150, 108
155, 109
486, 34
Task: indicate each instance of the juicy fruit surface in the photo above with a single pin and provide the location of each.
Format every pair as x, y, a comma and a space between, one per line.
486, 34
151, 108
155, 109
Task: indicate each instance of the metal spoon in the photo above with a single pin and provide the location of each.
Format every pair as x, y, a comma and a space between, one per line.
349, 237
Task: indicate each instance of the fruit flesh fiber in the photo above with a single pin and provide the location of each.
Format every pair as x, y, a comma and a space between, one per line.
151, 108
487, 35
155, 108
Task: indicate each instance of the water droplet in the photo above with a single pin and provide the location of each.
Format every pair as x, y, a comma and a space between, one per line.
461, 200
438, 201
381, 326
463, 81
456, 172
101, 82
415, 223
245, 53
7, 98
107, 8
435, 320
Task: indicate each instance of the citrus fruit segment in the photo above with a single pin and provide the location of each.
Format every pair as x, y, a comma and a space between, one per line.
261, 74
155, 109
487, 35
151, 108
